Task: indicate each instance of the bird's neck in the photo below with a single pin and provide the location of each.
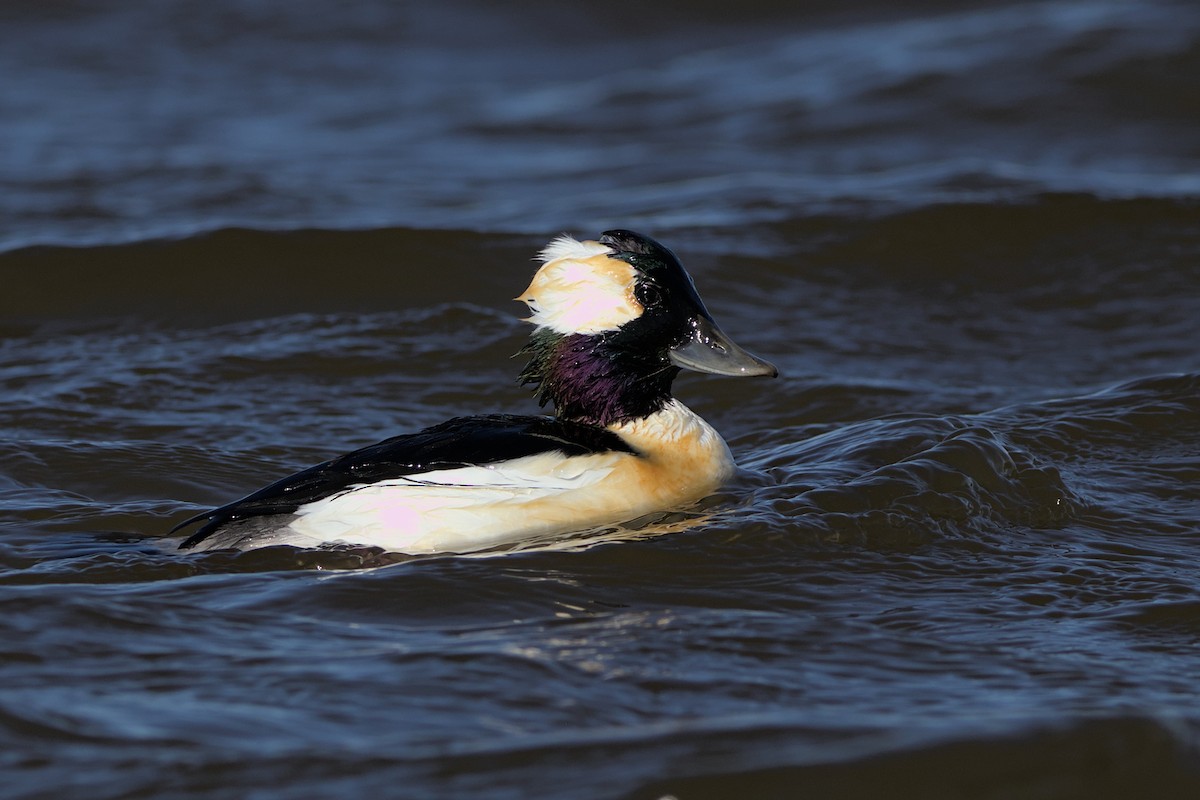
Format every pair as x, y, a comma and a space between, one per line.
593, 379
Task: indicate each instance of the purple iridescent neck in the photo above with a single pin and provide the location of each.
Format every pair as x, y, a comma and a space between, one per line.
592, 379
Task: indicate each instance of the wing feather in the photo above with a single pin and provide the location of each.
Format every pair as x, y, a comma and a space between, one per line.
458, 443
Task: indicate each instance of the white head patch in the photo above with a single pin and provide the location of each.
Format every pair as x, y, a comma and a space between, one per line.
580, 289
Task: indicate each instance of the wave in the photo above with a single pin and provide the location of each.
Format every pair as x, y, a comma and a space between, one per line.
1096, 462
1044, 247
532, 126
238, 273
1115, 757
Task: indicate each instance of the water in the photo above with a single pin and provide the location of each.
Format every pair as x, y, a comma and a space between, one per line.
960, 558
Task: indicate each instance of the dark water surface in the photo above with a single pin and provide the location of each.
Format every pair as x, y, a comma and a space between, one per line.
962, 558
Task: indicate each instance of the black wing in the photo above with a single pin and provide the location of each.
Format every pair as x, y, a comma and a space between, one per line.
460, 442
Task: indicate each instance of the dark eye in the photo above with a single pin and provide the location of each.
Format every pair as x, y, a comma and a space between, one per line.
649, 295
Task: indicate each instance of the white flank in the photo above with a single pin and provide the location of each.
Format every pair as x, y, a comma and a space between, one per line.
580, 289
681, 460
456, 510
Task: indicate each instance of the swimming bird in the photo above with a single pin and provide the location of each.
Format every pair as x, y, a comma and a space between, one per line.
615, 321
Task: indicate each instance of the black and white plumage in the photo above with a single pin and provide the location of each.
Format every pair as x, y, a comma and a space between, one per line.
615, 321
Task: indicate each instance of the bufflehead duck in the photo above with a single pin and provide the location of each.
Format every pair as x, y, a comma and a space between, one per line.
615, 321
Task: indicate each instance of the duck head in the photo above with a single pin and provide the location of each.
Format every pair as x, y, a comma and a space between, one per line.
616, 321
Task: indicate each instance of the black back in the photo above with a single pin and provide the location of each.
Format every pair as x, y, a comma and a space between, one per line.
459, 442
